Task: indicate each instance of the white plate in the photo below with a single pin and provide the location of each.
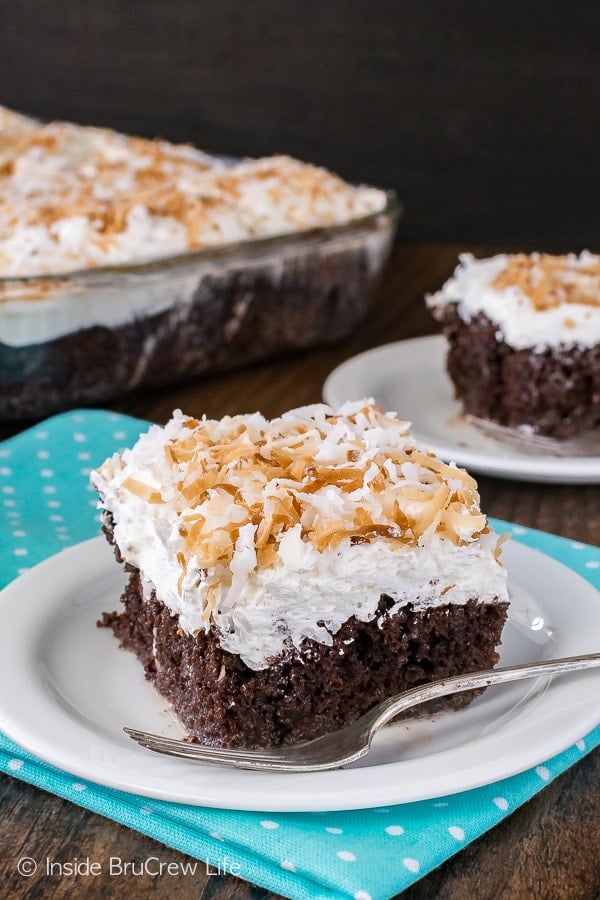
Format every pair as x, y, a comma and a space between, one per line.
409, 377
67, 690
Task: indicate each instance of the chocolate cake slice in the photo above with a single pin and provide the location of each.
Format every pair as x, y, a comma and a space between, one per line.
524, 340
286, 575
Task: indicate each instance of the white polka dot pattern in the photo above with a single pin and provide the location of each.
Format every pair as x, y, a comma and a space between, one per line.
411, 864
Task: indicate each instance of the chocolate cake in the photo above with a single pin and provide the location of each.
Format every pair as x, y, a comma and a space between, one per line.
524, 340
286, 575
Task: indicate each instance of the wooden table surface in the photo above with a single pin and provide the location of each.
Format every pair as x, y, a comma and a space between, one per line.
550, 848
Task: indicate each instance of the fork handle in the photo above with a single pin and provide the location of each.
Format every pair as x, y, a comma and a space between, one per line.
389, 709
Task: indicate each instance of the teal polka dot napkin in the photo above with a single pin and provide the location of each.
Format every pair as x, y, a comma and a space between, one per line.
46, 504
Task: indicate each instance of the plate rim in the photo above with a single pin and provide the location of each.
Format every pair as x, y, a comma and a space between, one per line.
337, 790
522, 467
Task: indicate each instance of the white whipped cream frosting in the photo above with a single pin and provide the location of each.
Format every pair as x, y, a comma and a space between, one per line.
520, 323
306, 590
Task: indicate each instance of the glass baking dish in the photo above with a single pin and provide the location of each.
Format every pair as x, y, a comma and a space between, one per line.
89, 336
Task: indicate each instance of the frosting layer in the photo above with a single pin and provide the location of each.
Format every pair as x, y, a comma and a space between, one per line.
536, 301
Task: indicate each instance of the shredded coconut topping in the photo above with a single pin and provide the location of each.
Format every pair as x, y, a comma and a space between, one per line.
352, 475
74, 197
550, 281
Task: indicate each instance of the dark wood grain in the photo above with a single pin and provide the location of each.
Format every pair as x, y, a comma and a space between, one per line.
547, 850
482, 116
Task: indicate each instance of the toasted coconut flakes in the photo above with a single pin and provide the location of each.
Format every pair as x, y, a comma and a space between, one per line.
362, 519
401, 519
140, 489
498, 548
263, 532
267, 556
436, 503
460, 522
211, 600
549, 280
183, 563
328, 478
328, 534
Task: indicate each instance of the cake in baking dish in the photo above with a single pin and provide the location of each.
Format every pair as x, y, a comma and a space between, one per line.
127, 263
524, 340
285, 575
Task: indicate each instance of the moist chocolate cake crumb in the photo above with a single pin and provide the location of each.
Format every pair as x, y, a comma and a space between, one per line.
306, 692
555, 390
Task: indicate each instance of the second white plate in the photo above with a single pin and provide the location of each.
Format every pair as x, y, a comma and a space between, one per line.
67, 690
409, 377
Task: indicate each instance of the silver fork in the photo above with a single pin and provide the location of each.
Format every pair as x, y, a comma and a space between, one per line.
525, 441
353, 742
